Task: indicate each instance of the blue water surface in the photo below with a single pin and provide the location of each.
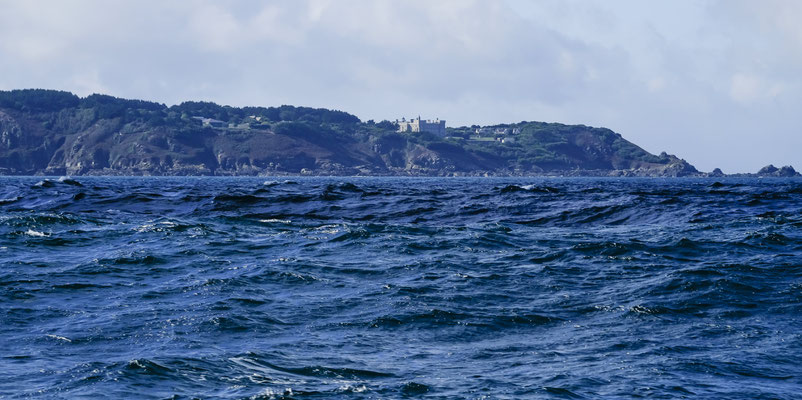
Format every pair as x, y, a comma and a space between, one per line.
382, 288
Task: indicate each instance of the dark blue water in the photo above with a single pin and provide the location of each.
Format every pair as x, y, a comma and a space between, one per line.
371, 288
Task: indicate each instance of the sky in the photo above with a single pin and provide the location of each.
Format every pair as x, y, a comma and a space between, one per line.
716, 82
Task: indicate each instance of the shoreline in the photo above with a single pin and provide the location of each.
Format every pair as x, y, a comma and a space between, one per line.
449, 176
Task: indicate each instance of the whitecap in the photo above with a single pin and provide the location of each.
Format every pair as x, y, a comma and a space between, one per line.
44, 183
272, 394
68, 181
273, 220
152, 226
353, 388
31, 232
59, 338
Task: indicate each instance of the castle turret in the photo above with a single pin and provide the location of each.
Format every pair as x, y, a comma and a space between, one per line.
436, 126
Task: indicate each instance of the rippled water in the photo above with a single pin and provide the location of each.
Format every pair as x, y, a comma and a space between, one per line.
400, 288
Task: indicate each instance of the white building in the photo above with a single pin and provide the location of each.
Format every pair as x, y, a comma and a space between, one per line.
488, 131
436, 126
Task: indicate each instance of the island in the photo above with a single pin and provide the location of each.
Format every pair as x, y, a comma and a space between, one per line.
49, 132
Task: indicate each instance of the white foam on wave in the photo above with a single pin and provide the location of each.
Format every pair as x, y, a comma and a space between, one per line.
351, 388
57, 337
329, 229
273, 394
152, 226
31, 232
273, 221
274, 183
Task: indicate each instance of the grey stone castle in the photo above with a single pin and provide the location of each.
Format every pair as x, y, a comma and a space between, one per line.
436, 126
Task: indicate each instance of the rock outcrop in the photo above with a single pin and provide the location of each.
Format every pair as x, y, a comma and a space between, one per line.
772, 171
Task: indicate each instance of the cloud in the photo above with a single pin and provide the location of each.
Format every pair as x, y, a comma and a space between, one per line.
214, 29
684, 77
748, 89
88, 81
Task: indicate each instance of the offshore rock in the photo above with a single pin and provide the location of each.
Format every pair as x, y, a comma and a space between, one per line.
768, 170
772, 171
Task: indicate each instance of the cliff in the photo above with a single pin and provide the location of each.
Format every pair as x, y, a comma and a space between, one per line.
57, 133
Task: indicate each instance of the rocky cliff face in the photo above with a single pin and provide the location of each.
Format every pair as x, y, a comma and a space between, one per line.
772, 171
57, 133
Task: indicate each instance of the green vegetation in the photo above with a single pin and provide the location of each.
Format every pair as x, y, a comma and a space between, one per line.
38, 100
48, 131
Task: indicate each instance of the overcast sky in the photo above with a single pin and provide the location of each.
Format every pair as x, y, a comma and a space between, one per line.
716, 82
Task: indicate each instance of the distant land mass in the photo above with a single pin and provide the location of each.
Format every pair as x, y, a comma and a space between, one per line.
49, 132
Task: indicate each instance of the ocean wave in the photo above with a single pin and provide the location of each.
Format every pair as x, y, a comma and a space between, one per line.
400, 288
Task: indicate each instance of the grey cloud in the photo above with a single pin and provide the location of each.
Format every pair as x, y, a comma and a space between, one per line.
715, 81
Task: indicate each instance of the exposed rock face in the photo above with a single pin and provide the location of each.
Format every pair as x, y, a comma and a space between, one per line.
787, 171
57, 133
767, 170
771, 170
677, 167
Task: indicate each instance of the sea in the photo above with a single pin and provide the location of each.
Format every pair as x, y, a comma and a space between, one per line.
391, 288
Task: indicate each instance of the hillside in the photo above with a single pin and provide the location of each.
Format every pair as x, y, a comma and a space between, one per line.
58, 133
